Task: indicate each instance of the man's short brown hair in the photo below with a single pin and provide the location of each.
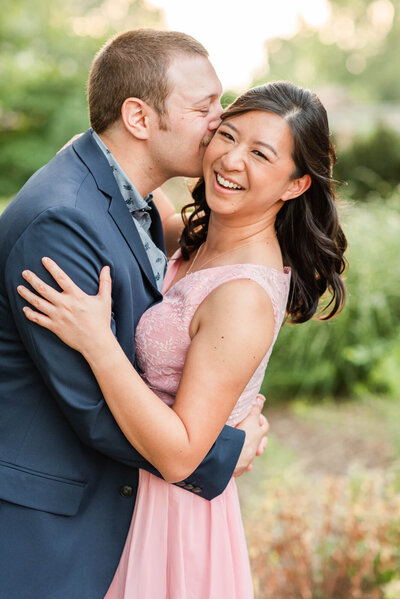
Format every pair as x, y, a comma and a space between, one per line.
134, 64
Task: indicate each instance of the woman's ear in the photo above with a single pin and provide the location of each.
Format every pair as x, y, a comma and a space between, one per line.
297, 187
135, 116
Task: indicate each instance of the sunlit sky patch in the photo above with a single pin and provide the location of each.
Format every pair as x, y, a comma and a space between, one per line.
234, 32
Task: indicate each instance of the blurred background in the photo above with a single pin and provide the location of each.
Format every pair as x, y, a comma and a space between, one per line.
321, 506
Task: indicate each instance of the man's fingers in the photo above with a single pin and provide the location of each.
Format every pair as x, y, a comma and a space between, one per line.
255, 408
260, 400
262, 446
264, 423
70, 142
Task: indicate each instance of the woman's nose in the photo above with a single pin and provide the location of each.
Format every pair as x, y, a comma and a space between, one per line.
233, 160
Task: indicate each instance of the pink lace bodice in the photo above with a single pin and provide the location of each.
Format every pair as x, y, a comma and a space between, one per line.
162, 335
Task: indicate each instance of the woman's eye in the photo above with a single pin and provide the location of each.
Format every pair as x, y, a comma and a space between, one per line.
227, 135
204, 110
258, 153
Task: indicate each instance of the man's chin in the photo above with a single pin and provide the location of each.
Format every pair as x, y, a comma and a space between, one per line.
190, 172
194, 174
206, 140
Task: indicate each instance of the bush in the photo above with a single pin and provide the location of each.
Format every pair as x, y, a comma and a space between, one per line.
338, 539
358, 351
370, 166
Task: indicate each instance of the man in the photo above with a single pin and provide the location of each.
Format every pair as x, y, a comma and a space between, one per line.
68, 477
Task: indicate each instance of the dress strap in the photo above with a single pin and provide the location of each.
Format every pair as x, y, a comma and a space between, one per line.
275, 284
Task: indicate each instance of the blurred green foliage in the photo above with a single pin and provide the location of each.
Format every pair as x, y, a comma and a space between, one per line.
370, 165
355, 48
3, 204
358, 351
227, 98
46, 50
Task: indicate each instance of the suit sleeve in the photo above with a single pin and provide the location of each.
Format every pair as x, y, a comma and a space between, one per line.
66, 235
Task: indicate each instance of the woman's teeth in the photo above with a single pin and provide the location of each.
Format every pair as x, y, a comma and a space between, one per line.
224, 183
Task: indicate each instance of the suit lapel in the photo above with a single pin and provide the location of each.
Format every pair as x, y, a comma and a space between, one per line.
156, 229
89, 152
123, 219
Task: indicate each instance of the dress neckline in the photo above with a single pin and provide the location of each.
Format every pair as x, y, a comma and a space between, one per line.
283, 273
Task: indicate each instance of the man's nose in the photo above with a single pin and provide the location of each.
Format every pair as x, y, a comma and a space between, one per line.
216, 119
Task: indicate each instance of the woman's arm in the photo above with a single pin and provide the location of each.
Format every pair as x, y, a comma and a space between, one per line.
231, 332
171, 220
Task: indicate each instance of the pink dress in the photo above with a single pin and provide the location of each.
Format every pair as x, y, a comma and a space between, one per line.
179, 545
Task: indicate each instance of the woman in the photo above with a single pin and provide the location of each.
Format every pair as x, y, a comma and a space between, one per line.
262, 237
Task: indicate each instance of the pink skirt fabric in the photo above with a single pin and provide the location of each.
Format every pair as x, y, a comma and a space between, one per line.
181, 546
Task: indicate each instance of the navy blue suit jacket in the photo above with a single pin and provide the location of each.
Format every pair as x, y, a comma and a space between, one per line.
68, 476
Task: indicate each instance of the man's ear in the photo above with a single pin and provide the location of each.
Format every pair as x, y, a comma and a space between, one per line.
297, 187
135, 116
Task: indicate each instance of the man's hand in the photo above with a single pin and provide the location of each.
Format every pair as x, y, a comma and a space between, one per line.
256, 427
70, 142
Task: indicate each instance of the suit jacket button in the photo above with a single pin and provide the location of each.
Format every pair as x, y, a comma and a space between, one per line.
188, 487
197, 490
126, 491
181, 484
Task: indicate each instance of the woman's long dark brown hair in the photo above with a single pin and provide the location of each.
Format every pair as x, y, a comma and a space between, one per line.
311, 239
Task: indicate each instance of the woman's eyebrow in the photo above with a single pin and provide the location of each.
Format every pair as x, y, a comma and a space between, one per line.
258, 143
266, 145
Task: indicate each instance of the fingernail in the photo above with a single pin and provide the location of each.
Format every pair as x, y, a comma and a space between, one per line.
45, 259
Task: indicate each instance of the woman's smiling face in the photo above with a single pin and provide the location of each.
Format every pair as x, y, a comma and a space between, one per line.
248, 165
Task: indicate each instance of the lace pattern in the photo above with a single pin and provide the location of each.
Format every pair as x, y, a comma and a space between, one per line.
162, 335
